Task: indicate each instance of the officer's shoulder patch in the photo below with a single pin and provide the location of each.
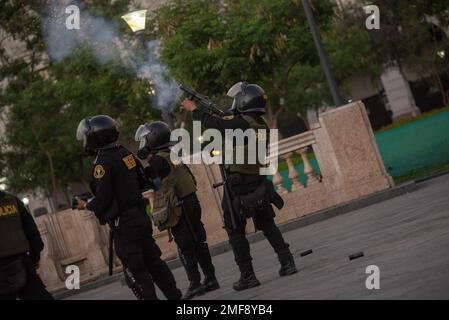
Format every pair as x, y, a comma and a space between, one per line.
99, 171
228, 117
129, 161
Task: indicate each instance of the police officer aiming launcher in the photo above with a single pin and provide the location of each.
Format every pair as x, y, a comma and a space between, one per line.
176, 207
20, 248
118, 181
249, 194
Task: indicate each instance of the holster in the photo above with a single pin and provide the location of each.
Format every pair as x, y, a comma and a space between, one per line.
256, 201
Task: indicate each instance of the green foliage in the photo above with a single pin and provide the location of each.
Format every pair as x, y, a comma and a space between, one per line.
45, 114
39, 149
212, 46
410, 36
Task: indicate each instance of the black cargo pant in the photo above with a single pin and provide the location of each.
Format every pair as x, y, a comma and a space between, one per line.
190, 236
136, 248
263, 221
33, 287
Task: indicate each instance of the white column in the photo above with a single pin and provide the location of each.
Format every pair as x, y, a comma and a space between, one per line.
399, 94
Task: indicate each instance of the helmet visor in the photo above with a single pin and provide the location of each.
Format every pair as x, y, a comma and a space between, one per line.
235, 89
141, 133
82, 130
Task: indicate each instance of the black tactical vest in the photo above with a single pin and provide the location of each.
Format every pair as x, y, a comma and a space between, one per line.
12, 236
247, 168
185, 182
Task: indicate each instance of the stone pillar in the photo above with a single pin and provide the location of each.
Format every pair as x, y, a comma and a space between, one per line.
95, 254
399, 94
347, 153
47, 267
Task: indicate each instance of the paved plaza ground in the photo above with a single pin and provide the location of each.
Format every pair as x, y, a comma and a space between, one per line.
407, 237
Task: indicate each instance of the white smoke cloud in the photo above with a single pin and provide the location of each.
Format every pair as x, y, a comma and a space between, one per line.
98, 35
104, 40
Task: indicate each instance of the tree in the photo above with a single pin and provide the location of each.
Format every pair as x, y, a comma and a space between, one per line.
212, 45
411, 35
45, 105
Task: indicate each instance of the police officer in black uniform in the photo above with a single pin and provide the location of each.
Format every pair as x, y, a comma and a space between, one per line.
189, 233
20, 248
247, 110
118, 179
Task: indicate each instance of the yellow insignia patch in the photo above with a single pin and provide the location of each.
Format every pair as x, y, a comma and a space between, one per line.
99, 171
228, 117
129, 161
8, 210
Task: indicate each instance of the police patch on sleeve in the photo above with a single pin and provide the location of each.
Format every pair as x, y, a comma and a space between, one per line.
99, 171
129, 161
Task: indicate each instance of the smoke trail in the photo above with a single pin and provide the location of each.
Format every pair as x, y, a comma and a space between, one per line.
164, 87
104, 40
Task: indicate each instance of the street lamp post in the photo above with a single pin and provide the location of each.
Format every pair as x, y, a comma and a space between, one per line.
324, 60
136, 20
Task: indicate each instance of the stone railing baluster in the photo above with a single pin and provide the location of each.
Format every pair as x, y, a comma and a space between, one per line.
292, 173
278, 182
308, 169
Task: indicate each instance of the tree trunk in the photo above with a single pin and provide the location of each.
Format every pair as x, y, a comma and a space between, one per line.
273, 116
444, 94
305, 120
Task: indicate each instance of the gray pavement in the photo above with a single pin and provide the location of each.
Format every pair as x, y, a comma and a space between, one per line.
407, 237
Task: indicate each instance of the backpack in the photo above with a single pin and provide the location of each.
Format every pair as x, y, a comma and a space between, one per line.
167, 210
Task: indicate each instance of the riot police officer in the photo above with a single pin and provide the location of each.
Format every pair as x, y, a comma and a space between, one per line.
249, 102
118, 180
188, 230
20, 247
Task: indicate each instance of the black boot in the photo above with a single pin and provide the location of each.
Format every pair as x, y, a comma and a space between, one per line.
210, 284
247, 278
288, 266
246, 282
195, 289
141, 284
191, 265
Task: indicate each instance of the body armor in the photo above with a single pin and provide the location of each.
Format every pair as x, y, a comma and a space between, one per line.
12, 236
245, 168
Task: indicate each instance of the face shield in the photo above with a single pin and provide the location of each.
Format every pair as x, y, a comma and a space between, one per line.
141, 133
235, 92
236, 89
82, 130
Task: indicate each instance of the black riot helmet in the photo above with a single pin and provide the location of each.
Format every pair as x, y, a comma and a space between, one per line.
97, 132
247, 98
152, 137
